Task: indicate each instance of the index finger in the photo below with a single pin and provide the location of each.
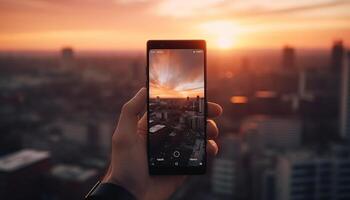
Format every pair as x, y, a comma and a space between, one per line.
214, 110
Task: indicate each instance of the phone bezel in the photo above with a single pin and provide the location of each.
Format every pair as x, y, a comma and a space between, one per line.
177, 44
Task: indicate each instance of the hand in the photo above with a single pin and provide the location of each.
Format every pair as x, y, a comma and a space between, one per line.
129, 167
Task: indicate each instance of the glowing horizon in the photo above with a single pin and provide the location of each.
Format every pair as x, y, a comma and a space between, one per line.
128, 24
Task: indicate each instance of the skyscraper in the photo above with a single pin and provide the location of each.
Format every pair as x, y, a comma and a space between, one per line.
288, 57
304, 175
302, 80
337, 56
278, 133
67, 53
344, 117
227, 177
224, 177
67, 57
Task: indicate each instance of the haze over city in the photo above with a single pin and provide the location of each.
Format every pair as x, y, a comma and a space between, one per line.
128, 24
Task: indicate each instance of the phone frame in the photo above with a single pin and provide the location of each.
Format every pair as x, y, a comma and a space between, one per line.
178, 44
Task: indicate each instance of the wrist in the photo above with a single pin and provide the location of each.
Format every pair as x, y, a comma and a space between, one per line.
110, 178
108, 191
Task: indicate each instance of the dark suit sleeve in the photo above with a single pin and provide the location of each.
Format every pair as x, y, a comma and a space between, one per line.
109, 191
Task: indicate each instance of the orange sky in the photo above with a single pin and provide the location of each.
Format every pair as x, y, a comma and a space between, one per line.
176, 73
128, 24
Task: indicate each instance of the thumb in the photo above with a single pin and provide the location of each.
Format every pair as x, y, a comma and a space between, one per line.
129, 115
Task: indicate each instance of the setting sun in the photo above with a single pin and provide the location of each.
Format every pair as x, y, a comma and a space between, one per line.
221, 34
224, 42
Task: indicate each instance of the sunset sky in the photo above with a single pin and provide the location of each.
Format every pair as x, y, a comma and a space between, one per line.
176, 73
128, 24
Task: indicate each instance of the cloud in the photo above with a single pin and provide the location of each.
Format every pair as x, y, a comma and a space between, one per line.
185, 8
188, 9
129, 2
176, 71
217, 8
292, 8
27, 3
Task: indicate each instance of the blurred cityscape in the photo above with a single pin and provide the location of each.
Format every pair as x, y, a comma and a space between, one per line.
283, 135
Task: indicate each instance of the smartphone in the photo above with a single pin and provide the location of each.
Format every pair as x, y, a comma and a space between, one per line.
176, 107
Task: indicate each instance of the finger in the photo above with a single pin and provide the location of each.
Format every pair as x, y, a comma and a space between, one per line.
212, 148
135, 105
142, 124
129, 115
212, 129
214, 110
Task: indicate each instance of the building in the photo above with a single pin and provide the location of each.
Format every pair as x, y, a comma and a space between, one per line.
137, 70
161, 115
157, 135
261, 175
268, 185
22, 174
262, 132
304, 175
313, 83
201, 105
302, 81
67, 57
344, 111
71, 181
226, 179
288, 58
197, 122
67, 53
156, 128
223, 177
71, 130
338, 52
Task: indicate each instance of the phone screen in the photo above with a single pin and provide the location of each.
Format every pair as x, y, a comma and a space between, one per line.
176, 108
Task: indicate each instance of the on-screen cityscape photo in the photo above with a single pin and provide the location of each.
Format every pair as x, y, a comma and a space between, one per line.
176, 107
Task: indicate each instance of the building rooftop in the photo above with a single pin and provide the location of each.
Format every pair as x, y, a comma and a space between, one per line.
21, 159
300, 155
156, 128
73, 172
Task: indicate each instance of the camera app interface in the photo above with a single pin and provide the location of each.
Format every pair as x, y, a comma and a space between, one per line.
176, 107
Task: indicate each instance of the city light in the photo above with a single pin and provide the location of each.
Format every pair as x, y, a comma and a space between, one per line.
265, 94
239, 99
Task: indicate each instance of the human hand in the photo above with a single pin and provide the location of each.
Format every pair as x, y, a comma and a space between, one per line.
129, 166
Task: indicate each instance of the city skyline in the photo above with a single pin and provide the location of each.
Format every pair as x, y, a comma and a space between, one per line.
283, 130
128, 24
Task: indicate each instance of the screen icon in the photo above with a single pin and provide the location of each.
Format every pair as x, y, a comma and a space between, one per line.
176, 154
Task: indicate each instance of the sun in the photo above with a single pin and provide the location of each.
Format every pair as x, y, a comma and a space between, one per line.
224, 42
222, 34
